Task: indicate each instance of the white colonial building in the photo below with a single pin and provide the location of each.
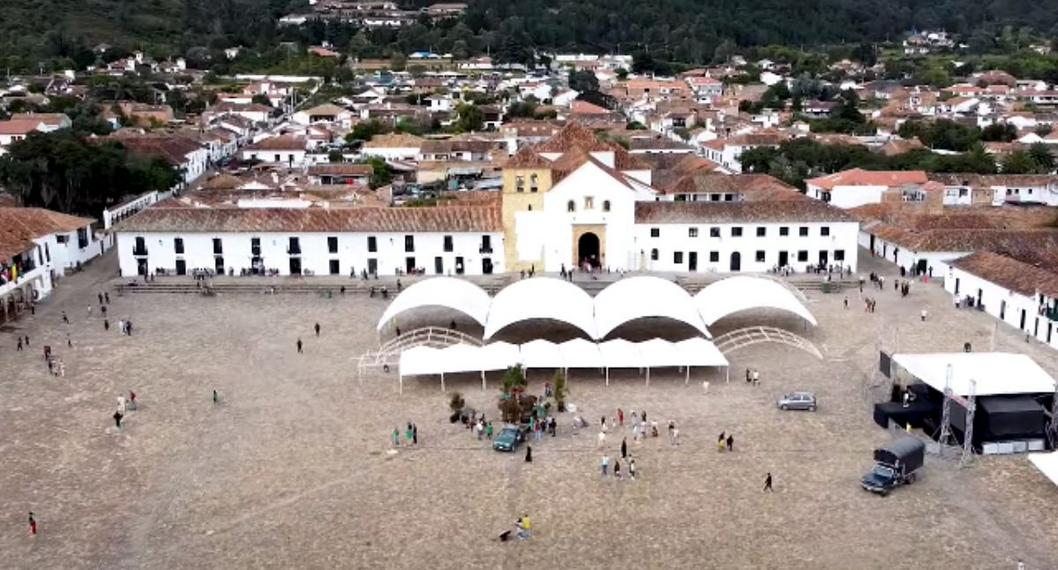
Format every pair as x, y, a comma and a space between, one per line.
573, 201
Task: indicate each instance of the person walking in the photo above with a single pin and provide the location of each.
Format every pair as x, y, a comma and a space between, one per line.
617, 469
414, 434
408, 435
605, 465
479, 430
632, 469
675, 436
730, 442
32, 524
103, 310
924, 314
106, 324
106, 297
395, 437
100, 296
620, 417
528, 454
601, 440
19, 347
767, 483
317, 329
624, 448
117, 419
720, 442
846, 303
488, 431
132, 400
69, 343
756, 377
65, 319
525, 527
299, 346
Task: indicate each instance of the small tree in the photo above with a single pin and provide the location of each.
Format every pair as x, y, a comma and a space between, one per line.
456, 402
511, 404
560, 391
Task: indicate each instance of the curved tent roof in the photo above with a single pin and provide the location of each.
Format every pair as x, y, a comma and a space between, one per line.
500, 355
541, 353
580, 353
420, 360
644, 296
740, 293
541, 298
620, 353
448, 292
699, 352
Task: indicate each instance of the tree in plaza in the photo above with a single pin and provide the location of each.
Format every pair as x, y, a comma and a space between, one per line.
560, 390
513, 404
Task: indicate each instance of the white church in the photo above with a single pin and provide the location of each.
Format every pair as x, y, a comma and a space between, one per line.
575, 200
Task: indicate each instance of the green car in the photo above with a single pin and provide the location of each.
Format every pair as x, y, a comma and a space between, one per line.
509, 438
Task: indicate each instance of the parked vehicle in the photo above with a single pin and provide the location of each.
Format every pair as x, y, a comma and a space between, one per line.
797, 401
509, 438
895, 465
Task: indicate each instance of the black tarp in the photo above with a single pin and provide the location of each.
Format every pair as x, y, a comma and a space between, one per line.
907, 452
919, 412
1009, 417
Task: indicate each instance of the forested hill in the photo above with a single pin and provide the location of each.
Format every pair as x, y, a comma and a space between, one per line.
690, 31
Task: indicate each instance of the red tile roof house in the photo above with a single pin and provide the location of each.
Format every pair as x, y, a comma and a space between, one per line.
856, 187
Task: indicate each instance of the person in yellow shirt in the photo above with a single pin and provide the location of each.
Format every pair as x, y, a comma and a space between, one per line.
525, 527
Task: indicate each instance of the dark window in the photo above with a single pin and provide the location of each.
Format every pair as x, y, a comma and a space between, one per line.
714, 232
82, 238
293, 246
486, 244
448, 244
332, 244
802, 231
62, 238
372, 265
736, 232
606, 205
677, 257
47, 256
218, 246
824, 231
533, 186
409, 243
692, 232
255, 246
178, 245
802, 255
333, 266
784, 231
839, 255
760, 256
714, 256
519, 183
140, 247
654, 254
762, 231
372, 245
218, 264
655, 232
571, 206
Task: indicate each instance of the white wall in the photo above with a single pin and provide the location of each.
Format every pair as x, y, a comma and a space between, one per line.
994, 297
674, 238
395, 153
908, 259
352, 252
849, 196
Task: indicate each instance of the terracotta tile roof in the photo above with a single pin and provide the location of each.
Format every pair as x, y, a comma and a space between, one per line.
586, 108
50, 119
173, 148
20, 226
753, 187
526, 157
457, 218
573, 135
989, 180
326, 109
861, 177
340, 169
1018, 243
733, 212
394, 140
18, 126
1010, 273
284, 142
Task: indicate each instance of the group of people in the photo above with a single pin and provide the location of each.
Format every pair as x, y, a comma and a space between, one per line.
753, 376
725, 441
411, 435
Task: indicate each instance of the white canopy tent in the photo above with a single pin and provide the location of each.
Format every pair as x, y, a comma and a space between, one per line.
541, 298
449, 292
576, 353
641, 297
734, 294
541, 354
580, 353
1047, 463
994, 373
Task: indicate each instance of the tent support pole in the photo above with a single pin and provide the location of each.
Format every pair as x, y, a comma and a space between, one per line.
400, 378
442, 382
687, 378
727, 370
482, 380
607, 376
648, 376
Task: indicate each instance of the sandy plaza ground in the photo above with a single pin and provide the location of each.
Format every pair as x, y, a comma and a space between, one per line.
291, 468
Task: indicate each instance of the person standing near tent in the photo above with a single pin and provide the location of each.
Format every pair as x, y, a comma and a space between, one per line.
605, 465
488, 431
601, 440
407, 435
396, 437
624, 448
617, 469
720, 442
32, 524
730, 442
528, 454
632, 469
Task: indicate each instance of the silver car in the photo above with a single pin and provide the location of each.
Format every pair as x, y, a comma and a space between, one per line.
798, 401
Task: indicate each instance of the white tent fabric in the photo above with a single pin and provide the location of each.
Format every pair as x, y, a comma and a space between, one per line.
580, 353
644, 296
733, 294
499, 356
541, 298
619, 353
995, 373
420, 360
699, 352
448, 292
656, 352
541, 354
1047, 463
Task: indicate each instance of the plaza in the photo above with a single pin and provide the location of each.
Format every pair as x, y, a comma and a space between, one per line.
292, 468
